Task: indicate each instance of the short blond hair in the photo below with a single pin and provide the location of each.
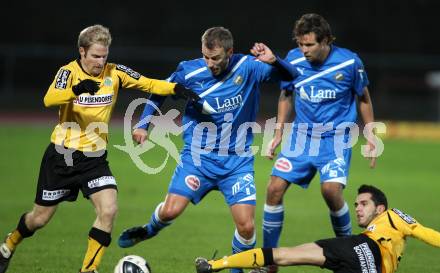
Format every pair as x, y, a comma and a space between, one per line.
96, 34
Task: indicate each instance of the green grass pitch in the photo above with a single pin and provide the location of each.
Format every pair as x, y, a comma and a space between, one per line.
408, 171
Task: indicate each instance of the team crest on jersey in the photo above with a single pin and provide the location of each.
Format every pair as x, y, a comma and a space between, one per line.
193, 182
339, 76
405, 217
61, 79
283, 164
371, 228
130, 72
108, 81
238, 80
94, 101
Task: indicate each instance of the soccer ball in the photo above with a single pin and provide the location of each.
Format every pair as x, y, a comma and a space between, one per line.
132, 264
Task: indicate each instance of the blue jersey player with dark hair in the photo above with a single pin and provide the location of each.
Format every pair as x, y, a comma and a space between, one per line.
218, 134
330, 81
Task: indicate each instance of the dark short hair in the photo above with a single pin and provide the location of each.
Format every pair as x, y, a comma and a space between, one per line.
218, 37
312, 22
377, 195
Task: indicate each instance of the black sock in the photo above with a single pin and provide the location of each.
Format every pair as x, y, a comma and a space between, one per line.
23, 229
268, 255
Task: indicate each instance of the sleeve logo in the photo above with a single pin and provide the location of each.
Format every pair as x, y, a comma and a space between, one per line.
405, 216
61, 79
130, 72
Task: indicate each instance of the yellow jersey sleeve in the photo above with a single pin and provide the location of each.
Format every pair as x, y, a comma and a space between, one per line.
410, 227
60, 91
132, 79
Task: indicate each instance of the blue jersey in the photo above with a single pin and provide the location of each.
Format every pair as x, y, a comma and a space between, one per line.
229, 103
326, 93
325, 97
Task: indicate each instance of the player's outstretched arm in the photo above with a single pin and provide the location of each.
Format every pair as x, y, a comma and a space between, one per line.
264, 53
411, 227
428, 235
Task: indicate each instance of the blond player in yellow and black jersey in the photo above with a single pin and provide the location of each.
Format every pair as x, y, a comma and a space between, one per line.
376, 250
88, 110
86, 91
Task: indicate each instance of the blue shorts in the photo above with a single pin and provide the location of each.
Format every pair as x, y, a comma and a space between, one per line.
300, 169
232, 175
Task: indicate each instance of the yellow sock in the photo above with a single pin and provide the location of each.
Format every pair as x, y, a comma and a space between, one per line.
93, 256
13, 240
247, 259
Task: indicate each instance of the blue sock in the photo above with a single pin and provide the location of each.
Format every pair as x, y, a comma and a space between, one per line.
272, 225
155, 225
240, 244
341, 221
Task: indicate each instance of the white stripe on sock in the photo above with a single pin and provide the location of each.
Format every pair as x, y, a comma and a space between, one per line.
156, 214
273, 209
340, 212
344, 228
272, 224
244, 241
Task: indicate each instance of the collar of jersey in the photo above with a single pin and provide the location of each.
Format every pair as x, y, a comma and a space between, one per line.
78, 62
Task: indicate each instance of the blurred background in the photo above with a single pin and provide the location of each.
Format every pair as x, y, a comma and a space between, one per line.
398, 42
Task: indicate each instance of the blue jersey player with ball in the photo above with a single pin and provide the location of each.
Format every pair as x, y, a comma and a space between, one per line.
219, 132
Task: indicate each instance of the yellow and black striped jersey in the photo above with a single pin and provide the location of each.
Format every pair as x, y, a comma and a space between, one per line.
390, 230
83, 119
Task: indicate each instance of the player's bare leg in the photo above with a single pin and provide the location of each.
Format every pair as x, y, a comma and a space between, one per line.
332, 192
244, 236
276, 189
105, 203
306, 254
106, 206
173, 206
243, 216
27, 225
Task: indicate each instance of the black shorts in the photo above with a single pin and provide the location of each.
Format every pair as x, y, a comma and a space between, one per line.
351, 254
59, 182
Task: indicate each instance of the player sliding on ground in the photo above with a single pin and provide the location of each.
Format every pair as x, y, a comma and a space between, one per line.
377, 249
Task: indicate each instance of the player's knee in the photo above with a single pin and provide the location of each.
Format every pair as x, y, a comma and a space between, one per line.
108, 212
168, 214
333, 196
246, 229
37, 220
332, 191
275, 193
